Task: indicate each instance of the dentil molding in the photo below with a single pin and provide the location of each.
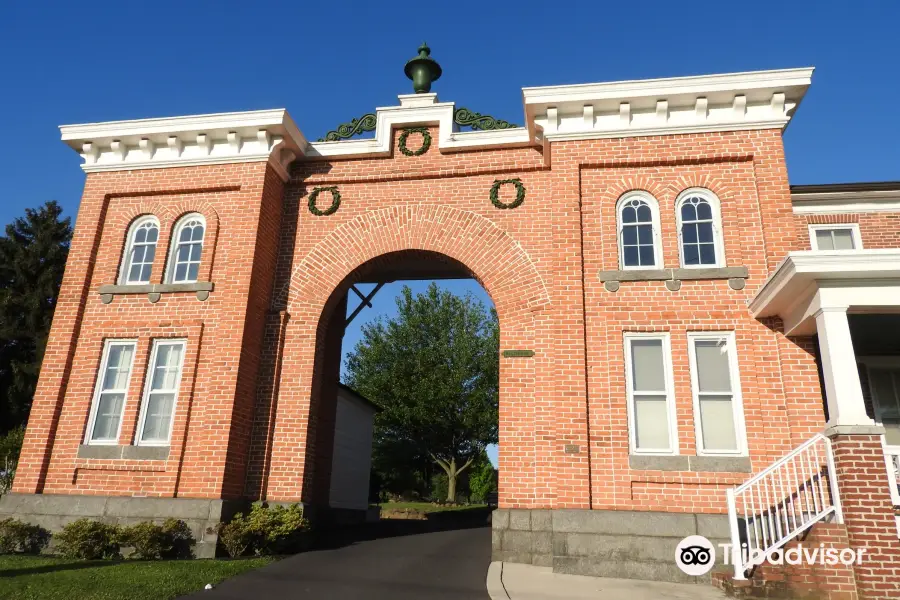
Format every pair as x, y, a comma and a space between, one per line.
254, 136
677, 105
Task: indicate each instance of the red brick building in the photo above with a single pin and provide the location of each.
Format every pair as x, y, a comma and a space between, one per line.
674, 318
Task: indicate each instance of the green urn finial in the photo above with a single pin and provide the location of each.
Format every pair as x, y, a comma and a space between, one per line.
422, 70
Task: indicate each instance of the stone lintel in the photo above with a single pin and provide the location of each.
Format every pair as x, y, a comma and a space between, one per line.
126, 452
706, 464
682, 274
156, 288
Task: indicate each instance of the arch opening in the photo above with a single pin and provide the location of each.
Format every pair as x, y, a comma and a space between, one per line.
348, 465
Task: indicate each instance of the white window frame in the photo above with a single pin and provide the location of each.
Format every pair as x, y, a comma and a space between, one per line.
854, 233
125, 263
718, 238
173, 246
98, 388
737, 401
148, 382
670, 393
654, 223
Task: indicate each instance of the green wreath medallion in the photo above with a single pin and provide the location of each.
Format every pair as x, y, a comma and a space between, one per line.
426, 141
335, 201
495, 193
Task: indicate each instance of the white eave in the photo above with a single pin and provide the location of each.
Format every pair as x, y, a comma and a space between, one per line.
756, 100
253, 136
707, 103
883, 198
789, 290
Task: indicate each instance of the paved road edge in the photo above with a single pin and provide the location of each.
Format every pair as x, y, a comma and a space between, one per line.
495, 587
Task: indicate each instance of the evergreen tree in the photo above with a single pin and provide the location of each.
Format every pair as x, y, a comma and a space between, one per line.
32, 259
482, 478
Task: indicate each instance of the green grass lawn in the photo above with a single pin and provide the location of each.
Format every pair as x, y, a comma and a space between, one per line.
47, 578
427, 507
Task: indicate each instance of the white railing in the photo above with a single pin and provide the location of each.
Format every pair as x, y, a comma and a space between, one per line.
781, 502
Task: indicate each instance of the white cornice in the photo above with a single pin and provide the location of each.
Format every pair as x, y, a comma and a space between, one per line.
419, 109
798, 276
846, 202
253, 136
708, 103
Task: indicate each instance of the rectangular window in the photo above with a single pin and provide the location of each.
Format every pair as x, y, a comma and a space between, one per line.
649, 386
110, 392
835, 237
163, 378
718, 413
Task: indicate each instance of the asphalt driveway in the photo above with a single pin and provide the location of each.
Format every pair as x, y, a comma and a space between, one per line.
394, 561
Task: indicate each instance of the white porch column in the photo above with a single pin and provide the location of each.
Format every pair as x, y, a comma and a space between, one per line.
843, 391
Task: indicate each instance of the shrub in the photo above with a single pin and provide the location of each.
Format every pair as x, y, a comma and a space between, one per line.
277, 529
147, 539
88, 539
150, 541
265, 530
10, 445
179, 539
17, 536
236, 535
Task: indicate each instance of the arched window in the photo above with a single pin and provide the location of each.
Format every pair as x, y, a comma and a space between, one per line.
699, 229
187, 246
140, 250
639, 246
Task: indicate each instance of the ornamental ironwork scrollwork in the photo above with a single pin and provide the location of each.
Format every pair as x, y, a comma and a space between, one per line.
478, 121
355, 127
495, 193
335, 201
426, 141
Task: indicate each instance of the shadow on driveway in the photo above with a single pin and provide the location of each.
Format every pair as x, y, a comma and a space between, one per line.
441, 559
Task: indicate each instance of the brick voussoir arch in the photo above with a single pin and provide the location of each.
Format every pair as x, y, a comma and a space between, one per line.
637, 184
495, 259
697, 180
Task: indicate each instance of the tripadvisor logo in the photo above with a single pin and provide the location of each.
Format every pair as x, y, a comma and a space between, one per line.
695, 555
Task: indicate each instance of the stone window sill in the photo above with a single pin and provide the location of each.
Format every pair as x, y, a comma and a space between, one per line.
736, 276
123, 452
155, 290
706, 464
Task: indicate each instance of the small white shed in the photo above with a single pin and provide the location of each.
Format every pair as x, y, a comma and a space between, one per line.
351, 460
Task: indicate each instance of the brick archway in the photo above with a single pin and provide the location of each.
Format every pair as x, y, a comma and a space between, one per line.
450, 238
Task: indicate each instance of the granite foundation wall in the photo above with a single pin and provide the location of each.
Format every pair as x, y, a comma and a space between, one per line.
54, 511
602, 543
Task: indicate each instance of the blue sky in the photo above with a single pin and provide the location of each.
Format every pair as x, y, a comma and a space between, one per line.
326, 62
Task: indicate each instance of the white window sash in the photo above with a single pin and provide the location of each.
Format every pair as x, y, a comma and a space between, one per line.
126, 262
98, 390
175, 245
737, 404
852, 227
654, 225
148, 391
668, 394
718, 237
